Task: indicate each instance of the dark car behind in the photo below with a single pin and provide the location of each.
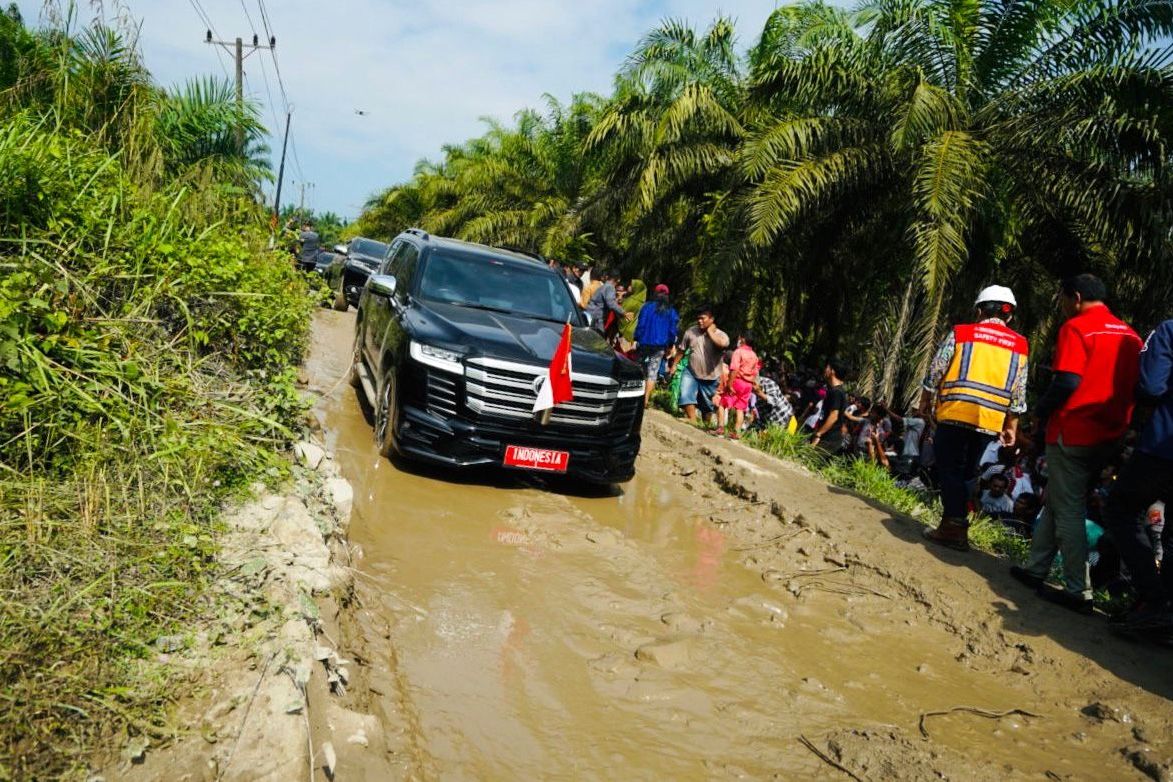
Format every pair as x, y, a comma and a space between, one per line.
323, 260
347, 275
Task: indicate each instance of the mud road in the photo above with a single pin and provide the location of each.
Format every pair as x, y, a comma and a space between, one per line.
723, 615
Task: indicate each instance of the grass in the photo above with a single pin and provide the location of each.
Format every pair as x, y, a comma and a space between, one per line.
146, 379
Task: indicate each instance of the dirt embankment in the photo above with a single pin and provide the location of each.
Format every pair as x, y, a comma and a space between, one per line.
266, 672
722, 615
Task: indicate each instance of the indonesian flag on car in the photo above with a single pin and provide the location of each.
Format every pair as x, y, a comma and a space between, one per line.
557, 388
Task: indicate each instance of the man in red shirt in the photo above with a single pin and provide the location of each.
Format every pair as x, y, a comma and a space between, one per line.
1086, 411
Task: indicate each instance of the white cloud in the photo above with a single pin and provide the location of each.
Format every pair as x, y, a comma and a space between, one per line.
424, 71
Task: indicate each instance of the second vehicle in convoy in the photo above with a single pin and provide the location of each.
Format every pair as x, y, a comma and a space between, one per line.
453, 342
348, 272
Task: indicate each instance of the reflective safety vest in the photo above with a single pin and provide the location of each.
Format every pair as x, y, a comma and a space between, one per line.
976, 388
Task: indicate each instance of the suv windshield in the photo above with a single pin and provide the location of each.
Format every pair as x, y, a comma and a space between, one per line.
497, 285
368, 247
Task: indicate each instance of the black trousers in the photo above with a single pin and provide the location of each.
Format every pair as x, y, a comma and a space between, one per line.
959, 450
1143, 481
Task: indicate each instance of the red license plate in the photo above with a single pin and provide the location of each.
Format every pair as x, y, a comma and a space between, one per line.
536, 458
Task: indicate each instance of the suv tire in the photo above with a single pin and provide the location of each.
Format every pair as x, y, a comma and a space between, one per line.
356, 362
340, 302
385, 415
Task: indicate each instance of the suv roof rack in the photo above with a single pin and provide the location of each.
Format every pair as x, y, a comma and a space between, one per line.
421, 233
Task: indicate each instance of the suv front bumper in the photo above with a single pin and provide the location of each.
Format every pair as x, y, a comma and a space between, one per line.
457, 442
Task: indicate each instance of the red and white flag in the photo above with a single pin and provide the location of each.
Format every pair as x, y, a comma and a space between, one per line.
557, 388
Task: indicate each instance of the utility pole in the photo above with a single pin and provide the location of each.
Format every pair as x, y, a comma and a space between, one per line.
281, 173
303, 186
237, 51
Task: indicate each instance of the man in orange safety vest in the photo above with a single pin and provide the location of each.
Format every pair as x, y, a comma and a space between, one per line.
979, 379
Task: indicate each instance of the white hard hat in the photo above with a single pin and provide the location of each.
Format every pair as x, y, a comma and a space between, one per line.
997, 293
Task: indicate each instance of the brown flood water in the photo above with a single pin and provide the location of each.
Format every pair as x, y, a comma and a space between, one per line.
499, 623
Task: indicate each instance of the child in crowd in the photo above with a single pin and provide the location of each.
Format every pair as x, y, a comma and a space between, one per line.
737, 384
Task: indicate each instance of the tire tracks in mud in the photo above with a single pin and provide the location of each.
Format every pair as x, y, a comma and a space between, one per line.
978, 642
627, 607
1063, 679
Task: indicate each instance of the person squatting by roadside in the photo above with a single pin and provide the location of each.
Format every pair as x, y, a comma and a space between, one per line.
1083, 415
704, 344
655, 336
979, 379
774, 409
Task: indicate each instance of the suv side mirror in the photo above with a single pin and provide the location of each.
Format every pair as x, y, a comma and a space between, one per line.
587, 317
382, 285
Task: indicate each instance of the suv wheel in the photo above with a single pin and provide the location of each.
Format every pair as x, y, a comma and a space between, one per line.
385, 415
356, 361
340, 302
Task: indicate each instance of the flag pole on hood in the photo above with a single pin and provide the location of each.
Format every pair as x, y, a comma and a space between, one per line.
557, 387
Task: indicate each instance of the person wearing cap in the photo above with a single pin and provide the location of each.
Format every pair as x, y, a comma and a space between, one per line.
655, 336
1083, 416
979, 379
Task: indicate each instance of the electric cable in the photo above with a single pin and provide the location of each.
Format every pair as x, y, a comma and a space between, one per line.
207, 21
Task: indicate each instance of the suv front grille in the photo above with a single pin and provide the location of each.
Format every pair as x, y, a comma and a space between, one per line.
505, 390
442, 393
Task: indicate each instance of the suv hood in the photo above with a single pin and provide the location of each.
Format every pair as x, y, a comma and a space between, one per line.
514, 338
363, 260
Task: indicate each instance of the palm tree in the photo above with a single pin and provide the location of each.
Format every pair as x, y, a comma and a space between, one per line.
667, 140
1012, 139
516, 187
196, 127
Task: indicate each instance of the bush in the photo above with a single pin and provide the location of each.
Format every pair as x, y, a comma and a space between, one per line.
147, 376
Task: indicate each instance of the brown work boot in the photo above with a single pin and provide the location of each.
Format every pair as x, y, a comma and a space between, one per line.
951, 533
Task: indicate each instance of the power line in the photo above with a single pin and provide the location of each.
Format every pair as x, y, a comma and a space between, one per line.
276, 65
269, 94
207, 22
267, 24
248, 16
296, 160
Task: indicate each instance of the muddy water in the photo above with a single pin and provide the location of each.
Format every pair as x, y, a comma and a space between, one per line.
524, 633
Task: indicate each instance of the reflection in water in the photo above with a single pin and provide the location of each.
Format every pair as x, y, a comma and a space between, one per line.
710, 548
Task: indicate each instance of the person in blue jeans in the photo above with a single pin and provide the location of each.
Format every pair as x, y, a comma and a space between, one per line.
705, 344
1146, 478
655, 336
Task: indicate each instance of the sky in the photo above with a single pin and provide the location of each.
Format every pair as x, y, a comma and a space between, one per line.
423, 71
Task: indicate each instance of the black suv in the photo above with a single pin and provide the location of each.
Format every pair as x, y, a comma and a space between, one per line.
452, 343
348, 272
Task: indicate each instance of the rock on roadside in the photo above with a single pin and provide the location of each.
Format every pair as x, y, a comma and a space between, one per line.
284, 557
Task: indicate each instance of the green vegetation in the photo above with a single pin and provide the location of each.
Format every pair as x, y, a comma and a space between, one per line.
147, 342
849, 182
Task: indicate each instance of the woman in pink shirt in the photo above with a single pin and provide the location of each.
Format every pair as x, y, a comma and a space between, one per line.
743, 371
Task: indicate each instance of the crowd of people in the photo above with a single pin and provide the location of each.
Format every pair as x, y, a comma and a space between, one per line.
1079, 476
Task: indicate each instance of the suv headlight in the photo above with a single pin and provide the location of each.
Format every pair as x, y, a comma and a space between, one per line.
440, 358
629, 388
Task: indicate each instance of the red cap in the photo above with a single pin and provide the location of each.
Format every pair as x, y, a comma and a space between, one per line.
661, 288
